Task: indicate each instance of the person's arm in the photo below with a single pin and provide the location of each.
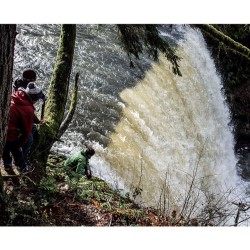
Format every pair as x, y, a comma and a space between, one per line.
36, 119
81, 166
88, 173
27, 119
88, 170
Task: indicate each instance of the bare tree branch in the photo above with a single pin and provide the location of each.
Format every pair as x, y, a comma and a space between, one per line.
71, 111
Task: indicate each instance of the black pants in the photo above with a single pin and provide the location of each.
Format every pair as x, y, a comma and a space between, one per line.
13, 148
28, 144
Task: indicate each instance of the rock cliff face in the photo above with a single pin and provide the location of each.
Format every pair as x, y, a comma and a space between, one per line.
235, 72
241, 111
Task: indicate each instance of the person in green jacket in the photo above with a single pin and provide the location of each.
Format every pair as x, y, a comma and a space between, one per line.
79, 162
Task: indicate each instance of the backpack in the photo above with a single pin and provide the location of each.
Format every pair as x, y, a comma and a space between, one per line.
19, 83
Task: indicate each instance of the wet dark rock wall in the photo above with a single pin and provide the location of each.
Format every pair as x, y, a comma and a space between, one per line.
235, 72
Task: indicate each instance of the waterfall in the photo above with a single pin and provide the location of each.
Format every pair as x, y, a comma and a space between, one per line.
162, 138
174, 140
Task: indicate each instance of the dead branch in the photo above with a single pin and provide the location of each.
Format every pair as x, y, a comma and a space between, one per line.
71, 111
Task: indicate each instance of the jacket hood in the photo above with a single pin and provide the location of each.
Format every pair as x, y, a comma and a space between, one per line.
20, 98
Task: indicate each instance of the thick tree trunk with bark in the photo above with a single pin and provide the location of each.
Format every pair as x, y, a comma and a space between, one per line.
7, 43
56, 102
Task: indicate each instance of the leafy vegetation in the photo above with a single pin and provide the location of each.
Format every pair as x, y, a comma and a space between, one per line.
64, 198
140, 38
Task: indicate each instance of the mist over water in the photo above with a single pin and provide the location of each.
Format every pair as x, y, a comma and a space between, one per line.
151, 129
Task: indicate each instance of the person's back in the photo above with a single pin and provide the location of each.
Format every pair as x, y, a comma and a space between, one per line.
20, 125
79, 162
21, 117
28, 79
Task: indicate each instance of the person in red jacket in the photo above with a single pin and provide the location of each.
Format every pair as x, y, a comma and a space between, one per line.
20, 124
28, 75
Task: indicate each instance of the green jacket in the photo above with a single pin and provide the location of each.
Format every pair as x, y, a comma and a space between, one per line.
78, 162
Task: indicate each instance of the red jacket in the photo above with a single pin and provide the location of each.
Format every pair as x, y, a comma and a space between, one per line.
21, 117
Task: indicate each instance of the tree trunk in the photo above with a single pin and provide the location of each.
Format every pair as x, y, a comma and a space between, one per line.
7, 43
56, 102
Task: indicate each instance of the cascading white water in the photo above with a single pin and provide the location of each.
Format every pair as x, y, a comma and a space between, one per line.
174, 132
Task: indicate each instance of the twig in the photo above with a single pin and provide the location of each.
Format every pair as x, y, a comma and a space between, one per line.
244, 220
110, 222
240, 209
186, 201
29, 179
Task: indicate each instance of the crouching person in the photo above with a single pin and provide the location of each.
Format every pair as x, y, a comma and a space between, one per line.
79, 162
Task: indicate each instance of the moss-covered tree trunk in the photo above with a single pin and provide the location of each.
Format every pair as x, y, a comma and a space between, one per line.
226, 40
56, 102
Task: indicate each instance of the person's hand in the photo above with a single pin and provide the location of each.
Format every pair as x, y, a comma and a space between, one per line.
88, 173
42, 122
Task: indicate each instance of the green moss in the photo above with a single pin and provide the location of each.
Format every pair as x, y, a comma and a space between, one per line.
57, 98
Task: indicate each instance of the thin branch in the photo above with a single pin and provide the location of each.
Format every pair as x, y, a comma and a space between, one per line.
226, 40
71, 112
29, 179
186, 201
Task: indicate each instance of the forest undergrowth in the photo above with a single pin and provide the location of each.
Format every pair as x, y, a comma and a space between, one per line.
71, 200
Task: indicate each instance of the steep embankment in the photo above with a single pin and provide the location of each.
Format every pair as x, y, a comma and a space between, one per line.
61, 200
